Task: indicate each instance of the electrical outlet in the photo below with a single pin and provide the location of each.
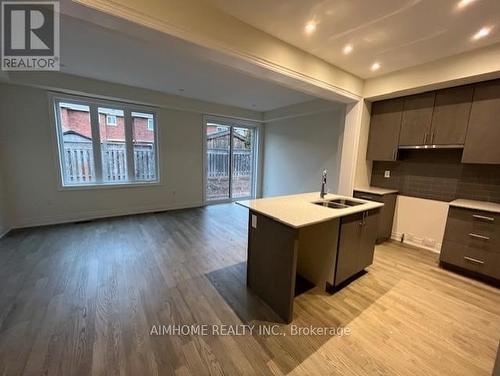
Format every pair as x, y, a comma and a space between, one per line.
387, 174
428, 242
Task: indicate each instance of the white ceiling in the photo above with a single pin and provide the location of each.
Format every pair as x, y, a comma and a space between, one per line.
396, 33
128, 54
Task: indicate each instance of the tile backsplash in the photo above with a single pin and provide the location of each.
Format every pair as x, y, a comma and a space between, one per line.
438, 175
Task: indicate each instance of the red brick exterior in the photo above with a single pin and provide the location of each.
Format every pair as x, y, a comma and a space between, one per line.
79, 122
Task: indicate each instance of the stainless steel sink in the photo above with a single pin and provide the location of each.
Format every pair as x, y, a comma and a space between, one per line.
344, 202
338, 203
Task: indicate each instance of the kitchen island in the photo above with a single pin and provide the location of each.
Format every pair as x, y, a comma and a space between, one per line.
326, 241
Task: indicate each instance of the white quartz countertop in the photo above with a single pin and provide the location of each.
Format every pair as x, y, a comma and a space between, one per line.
476, 205
299, 210
376, 190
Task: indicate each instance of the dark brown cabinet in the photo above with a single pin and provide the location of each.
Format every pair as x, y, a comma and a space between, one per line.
483, 132
472, 241
451, 116
417, 119
385, 124
369, 233
386, 217
358, 233
465, 116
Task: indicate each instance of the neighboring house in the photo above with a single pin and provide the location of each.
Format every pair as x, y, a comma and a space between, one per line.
219, 139
76, 120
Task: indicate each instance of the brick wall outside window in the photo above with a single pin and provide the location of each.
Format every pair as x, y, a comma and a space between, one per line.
79, 122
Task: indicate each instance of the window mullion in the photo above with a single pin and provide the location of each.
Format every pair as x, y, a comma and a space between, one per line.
96, 142
129, 145
231, 146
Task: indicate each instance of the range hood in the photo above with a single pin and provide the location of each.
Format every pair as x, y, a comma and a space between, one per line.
430, 147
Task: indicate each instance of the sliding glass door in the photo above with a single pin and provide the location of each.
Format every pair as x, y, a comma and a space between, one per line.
229, 160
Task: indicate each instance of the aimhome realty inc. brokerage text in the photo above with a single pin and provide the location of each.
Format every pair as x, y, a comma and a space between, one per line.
246, 329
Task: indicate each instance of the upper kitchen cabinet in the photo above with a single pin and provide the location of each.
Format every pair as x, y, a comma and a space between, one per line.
417, 118
451, 116
385, 124
483, 132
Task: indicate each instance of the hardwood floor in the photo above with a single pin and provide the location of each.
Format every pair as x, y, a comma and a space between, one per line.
81, 299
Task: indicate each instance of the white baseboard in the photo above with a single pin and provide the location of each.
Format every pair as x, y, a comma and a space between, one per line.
97, 214
5, 232
416, 242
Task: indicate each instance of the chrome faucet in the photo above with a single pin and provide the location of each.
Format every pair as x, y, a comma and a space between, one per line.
323, 184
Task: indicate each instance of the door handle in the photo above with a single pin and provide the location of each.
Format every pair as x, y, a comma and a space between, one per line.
479, 236
477, 216
362, 223
475, 261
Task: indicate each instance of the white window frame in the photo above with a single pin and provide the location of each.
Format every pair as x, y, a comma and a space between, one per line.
238, 123
151, 124
94, 104
111, 123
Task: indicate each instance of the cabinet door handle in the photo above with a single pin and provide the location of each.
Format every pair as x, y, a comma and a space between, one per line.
479, 236
477, 216
366, 197
425, 138
432, 138
363, 221
395, 154
475, 261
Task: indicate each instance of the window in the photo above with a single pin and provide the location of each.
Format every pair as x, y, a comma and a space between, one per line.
144, 148
111, 120
91, 153
113, 147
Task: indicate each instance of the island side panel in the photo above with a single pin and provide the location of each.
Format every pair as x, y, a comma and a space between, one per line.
272, 263
317, 252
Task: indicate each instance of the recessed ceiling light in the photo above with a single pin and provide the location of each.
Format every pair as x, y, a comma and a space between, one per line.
463, 3
375, 66
310, 27
347, 49
483, 32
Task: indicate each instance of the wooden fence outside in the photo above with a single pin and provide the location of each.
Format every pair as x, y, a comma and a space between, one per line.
218, 163
79, 162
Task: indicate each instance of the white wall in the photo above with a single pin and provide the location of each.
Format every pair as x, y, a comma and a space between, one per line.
4, 217
4, 220
296, 150
363, 166
421, 221
30, 162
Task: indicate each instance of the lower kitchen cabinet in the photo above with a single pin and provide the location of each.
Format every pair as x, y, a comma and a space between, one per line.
384, 231
358, 233
472, 241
